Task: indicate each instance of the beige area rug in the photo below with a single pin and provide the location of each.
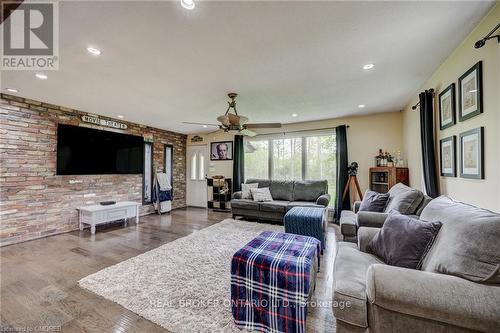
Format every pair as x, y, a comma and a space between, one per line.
184, 285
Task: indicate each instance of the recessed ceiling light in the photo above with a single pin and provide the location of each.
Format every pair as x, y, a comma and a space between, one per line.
188, 4
294, 115
361, 106
205, 126
120, 116
94, 51
12, 90
368, 66
41, 76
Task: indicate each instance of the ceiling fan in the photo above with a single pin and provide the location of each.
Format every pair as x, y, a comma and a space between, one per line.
232, 121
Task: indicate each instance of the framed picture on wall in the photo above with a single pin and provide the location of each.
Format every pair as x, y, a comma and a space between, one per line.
448, 156
221, 151
472, 154
470, 96
447, 107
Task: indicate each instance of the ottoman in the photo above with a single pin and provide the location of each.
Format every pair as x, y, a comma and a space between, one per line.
272, 279
307, 221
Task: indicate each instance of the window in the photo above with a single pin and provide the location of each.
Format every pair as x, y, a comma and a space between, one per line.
197, 166
256, 159
297, 156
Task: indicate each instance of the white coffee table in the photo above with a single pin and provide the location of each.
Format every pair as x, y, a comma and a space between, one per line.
99, 214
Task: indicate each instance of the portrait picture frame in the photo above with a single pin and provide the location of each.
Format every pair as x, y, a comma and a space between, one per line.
447, 107
217, 151
470, 92
472, 153
448, 156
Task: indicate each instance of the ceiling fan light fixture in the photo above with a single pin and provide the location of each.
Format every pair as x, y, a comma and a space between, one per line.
188, 4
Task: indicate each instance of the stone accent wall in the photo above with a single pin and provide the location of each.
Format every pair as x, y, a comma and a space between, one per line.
34, 201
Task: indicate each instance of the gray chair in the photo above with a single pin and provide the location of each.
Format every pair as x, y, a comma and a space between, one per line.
404, 199
286, 195
385, 298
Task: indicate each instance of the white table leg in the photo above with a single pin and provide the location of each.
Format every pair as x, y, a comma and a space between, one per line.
92, 229
137, 215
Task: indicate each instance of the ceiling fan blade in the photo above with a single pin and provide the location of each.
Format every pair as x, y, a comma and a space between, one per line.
193, 123
248, 132
263, 125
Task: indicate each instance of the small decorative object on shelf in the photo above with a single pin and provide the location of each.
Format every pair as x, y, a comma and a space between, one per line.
383, 178
219, 193
384, 159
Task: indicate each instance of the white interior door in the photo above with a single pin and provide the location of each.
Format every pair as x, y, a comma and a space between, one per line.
196, 183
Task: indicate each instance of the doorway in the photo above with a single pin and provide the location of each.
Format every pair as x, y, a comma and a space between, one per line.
196, 183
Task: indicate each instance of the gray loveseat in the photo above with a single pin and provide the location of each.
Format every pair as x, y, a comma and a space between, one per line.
404, 199
286, 194
386, 298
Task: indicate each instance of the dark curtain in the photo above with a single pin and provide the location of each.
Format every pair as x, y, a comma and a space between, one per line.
238, 163
342, 176
427, 138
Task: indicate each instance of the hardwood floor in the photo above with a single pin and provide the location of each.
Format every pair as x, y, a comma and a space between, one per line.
39, 278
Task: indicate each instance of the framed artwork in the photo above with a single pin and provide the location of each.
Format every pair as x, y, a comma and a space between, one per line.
147, 176
447, 107
221, 151
470, 96
448, 156
472, 154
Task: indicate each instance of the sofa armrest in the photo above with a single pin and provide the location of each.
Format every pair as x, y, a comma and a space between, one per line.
439, 297
365, 236
237, 195
323, 200
371, 219
355, 206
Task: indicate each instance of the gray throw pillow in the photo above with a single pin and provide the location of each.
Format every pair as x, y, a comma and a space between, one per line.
404, 199
374, 201
403, 241
245, 190
261, 194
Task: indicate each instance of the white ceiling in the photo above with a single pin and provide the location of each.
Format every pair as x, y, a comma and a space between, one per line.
162, 65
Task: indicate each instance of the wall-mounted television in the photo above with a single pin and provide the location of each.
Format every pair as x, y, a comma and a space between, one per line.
88, 151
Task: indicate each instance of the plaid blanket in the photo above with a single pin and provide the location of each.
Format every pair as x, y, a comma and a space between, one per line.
270, 282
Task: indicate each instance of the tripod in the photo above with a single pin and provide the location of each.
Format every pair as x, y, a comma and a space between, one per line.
353, 181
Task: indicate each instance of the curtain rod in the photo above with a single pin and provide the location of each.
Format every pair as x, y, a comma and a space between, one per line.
414, 107
298, 131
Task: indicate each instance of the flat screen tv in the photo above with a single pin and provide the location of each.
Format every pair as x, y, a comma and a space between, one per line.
88, 151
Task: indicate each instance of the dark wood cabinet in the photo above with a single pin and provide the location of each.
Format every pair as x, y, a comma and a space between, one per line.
383, 178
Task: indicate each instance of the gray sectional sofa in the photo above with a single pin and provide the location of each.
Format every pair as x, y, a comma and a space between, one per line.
456, 290
286, 194
404, 199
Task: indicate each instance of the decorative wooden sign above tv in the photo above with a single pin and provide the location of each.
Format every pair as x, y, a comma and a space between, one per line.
103, 122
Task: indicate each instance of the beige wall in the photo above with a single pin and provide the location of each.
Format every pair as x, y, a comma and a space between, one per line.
484, 193
366, 135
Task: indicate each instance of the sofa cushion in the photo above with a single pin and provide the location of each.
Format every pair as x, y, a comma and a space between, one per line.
245, 190
404, 199
261, 194
349, 276
402, 240
244, 204
309, 190
374, 201
281, 190
348, 223
302, 204
261, 182
274, 206
468, 244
